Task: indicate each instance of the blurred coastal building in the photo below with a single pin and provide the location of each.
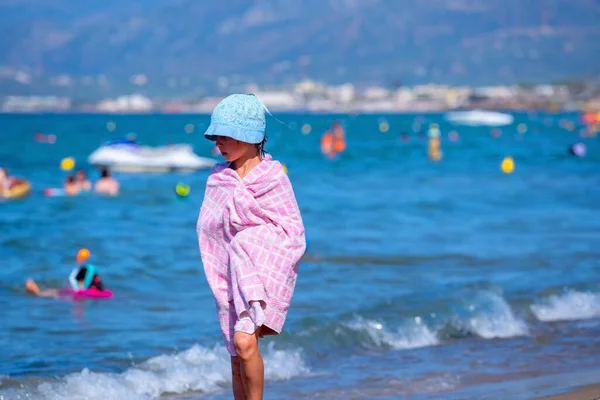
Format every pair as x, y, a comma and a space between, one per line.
124, 104
35, 104
313, 96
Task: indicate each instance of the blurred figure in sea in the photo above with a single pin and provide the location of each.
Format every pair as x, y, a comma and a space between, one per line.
107, 184
339, 137
333, 141
11, 186
5, 182
82, 180
71, 187
578, 150
83, 277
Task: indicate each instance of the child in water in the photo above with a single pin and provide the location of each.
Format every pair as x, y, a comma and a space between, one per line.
83, 277
251, 238
71, 187
82, 180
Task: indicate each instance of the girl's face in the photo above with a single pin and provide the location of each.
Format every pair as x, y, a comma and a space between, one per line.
232, 149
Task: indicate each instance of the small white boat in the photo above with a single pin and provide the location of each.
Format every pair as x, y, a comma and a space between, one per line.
479, 118
128, 156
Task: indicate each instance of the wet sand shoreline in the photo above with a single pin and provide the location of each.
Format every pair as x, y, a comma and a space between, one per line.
586, 392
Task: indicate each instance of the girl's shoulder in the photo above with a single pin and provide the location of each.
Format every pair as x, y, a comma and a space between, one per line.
272, 164
218, 167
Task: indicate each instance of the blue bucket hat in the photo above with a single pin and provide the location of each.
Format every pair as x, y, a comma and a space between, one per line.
239, 116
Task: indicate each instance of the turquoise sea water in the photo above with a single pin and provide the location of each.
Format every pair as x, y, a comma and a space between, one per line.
422, 279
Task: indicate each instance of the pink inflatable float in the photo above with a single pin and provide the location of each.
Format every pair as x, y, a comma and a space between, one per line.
91, 293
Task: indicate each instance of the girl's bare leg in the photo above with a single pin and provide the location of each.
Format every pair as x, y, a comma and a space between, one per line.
239, 393
251, 362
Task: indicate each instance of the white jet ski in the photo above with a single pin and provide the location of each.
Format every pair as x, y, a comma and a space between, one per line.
129, 156
479, 118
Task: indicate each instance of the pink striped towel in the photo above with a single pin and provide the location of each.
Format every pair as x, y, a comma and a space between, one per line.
251, 239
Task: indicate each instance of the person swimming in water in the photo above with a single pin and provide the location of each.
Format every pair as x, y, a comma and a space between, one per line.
83, 277
333, 141
6, 182
107, 184
82, 180
71, 187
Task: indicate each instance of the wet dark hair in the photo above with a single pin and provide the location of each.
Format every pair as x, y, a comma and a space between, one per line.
70, 179
105, 173
96, 282
261, 147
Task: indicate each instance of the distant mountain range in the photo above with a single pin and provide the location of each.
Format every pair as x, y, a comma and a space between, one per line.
175, 42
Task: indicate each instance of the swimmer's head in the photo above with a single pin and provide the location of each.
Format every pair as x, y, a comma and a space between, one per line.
81, 175
105, 173
338, 130
70, 179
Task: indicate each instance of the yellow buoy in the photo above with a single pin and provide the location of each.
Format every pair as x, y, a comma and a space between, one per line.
306, 129
384, 127
67, 164
182, 190
285, 169
508, 165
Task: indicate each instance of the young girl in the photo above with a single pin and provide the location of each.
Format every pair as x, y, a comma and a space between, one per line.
251, 238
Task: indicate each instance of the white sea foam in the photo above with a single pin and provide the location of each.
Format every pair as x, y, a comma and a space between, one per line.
568, 306
433, 384
197, 369
496, 320
409, 336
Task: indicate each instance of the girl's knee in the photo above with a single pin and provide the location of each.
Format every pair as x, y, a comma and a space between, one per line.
245, 345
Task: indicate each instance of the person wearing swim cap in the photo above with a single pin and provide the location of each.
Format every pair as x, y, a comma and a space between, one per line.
83, 277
